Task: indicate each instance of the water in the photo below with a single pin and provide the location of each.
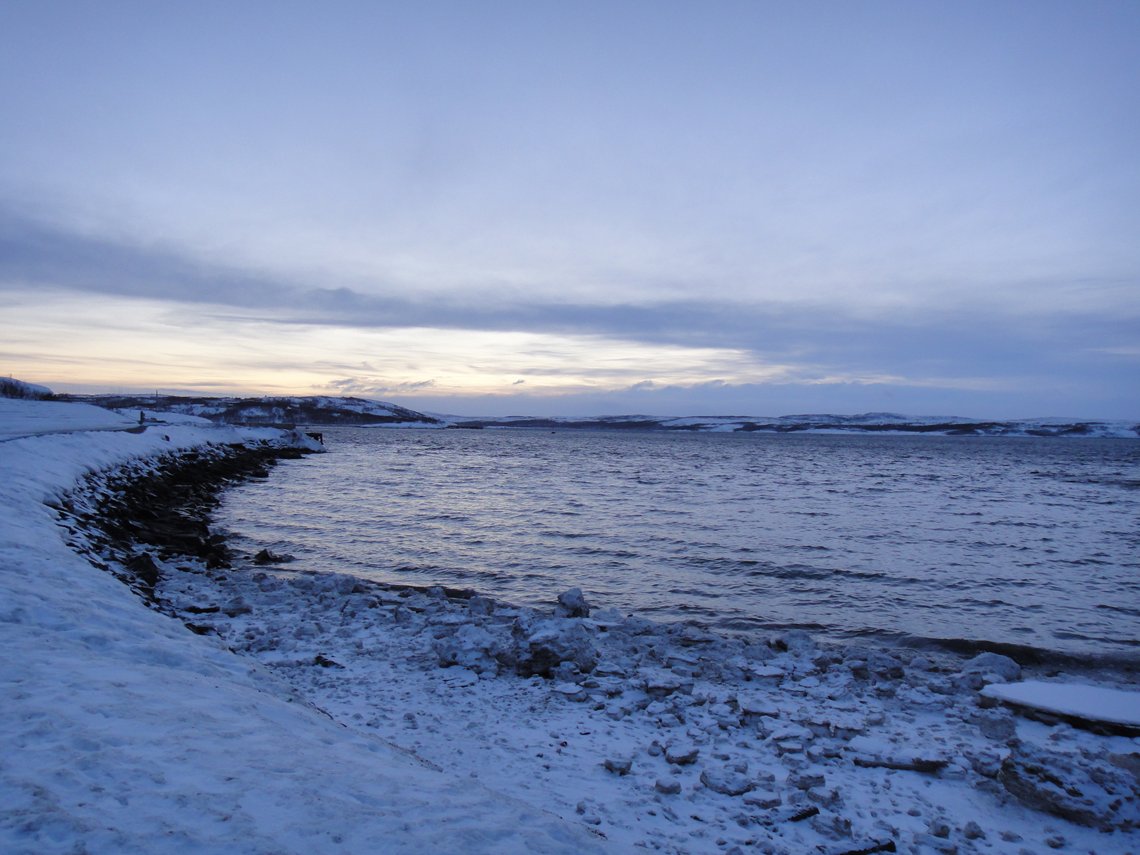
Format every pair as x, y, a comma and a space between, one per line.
1026, 542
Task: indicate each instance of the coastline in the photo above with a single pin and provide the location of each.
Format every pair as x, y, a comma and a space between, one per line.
124, 732
665, 737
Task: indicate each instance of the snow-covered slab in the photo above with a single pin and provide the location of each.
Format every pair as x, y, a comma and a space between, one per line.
1094, 704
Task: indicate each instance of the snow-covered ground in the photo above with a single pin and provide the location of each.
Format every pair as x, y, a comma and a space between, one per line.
29, 418
121, 731
321, 713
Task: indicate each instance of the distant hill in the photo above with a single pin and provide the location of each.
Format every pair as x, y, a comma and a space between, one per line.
313, 410
12, 388
324, 410
885, 423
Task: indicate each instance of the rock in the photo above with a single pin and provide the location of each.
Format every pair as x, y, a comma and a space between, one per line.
769, 672
472, 646
985, 763
724, 716
552, 642
566, 672
324, 662
824, 795
571, 691
763, 799
800, 814
806, 780
911, 763
236, 606
921, 663
572, 604
693, 635
756, 703
989, 668
795, 641
618, 765
681, 753
996, 724
607, 618
266, 557
872, 848
727, 782
836, 723
480, 605
1097, 795
831, 825
459, 678
144, 568
884, 666
668, 786
973, 831
660, 683
871, 753
609, 668
939, 828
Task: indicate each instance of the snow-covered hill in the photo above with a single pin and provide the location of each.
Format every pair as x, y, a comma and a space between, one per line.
327, 410
313, 410
826, 423
12, 388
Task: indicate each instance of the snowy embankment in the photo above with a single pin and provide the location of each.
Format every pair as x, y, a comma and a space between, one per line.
121, 731
320, 712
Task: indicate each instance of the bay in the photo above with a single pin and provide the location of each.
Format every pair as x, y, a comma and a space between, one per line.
1027, 542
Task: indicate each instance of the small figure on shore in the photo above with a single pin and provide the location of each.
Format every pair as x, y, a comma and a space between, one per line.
142, 417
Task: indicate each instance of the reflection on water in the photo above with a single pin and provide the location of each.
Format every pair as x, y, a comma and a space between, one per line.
1022, 541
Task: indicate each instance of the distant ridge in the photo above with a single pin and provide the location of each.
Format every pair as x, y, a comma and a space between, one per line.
329, 410
312, 410
885, 423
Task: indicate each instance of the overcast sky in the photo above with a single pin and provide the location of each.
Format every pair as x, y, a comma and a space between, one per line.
578, 207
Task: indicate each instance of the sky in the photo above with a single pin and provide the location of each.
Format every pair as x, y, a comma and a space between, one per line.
578, 208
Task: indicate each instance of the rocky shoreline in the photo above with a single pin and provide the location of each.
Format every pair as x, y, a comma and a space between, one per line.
663, 737
131, 518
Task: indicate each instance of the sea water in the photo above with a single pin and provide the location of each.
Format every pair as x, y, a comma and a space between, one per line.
1029, 542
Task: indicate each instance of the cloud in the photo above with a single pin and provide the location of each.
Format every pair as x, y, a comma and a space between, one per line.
375, 386
694, 346
37, 254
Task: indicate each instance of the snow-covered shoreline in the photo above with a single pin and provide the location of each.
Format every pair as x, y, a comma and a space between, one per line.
124, 732
123, 727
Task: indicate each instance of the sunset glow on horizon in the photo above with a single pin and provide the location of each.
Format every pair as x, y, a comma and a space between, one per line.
570, 210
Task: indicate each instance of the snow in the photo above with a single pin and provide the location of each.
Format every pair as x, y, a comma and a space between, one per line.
123, 732
1089, 703
20, 417
323, 713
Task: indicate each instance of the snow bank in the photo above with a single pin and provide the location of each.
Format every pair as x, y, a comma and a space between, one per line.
123, 732
28, 418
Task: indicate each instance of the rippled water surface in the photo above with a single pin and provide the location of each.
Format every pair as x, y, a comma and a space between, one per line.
1020, 541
